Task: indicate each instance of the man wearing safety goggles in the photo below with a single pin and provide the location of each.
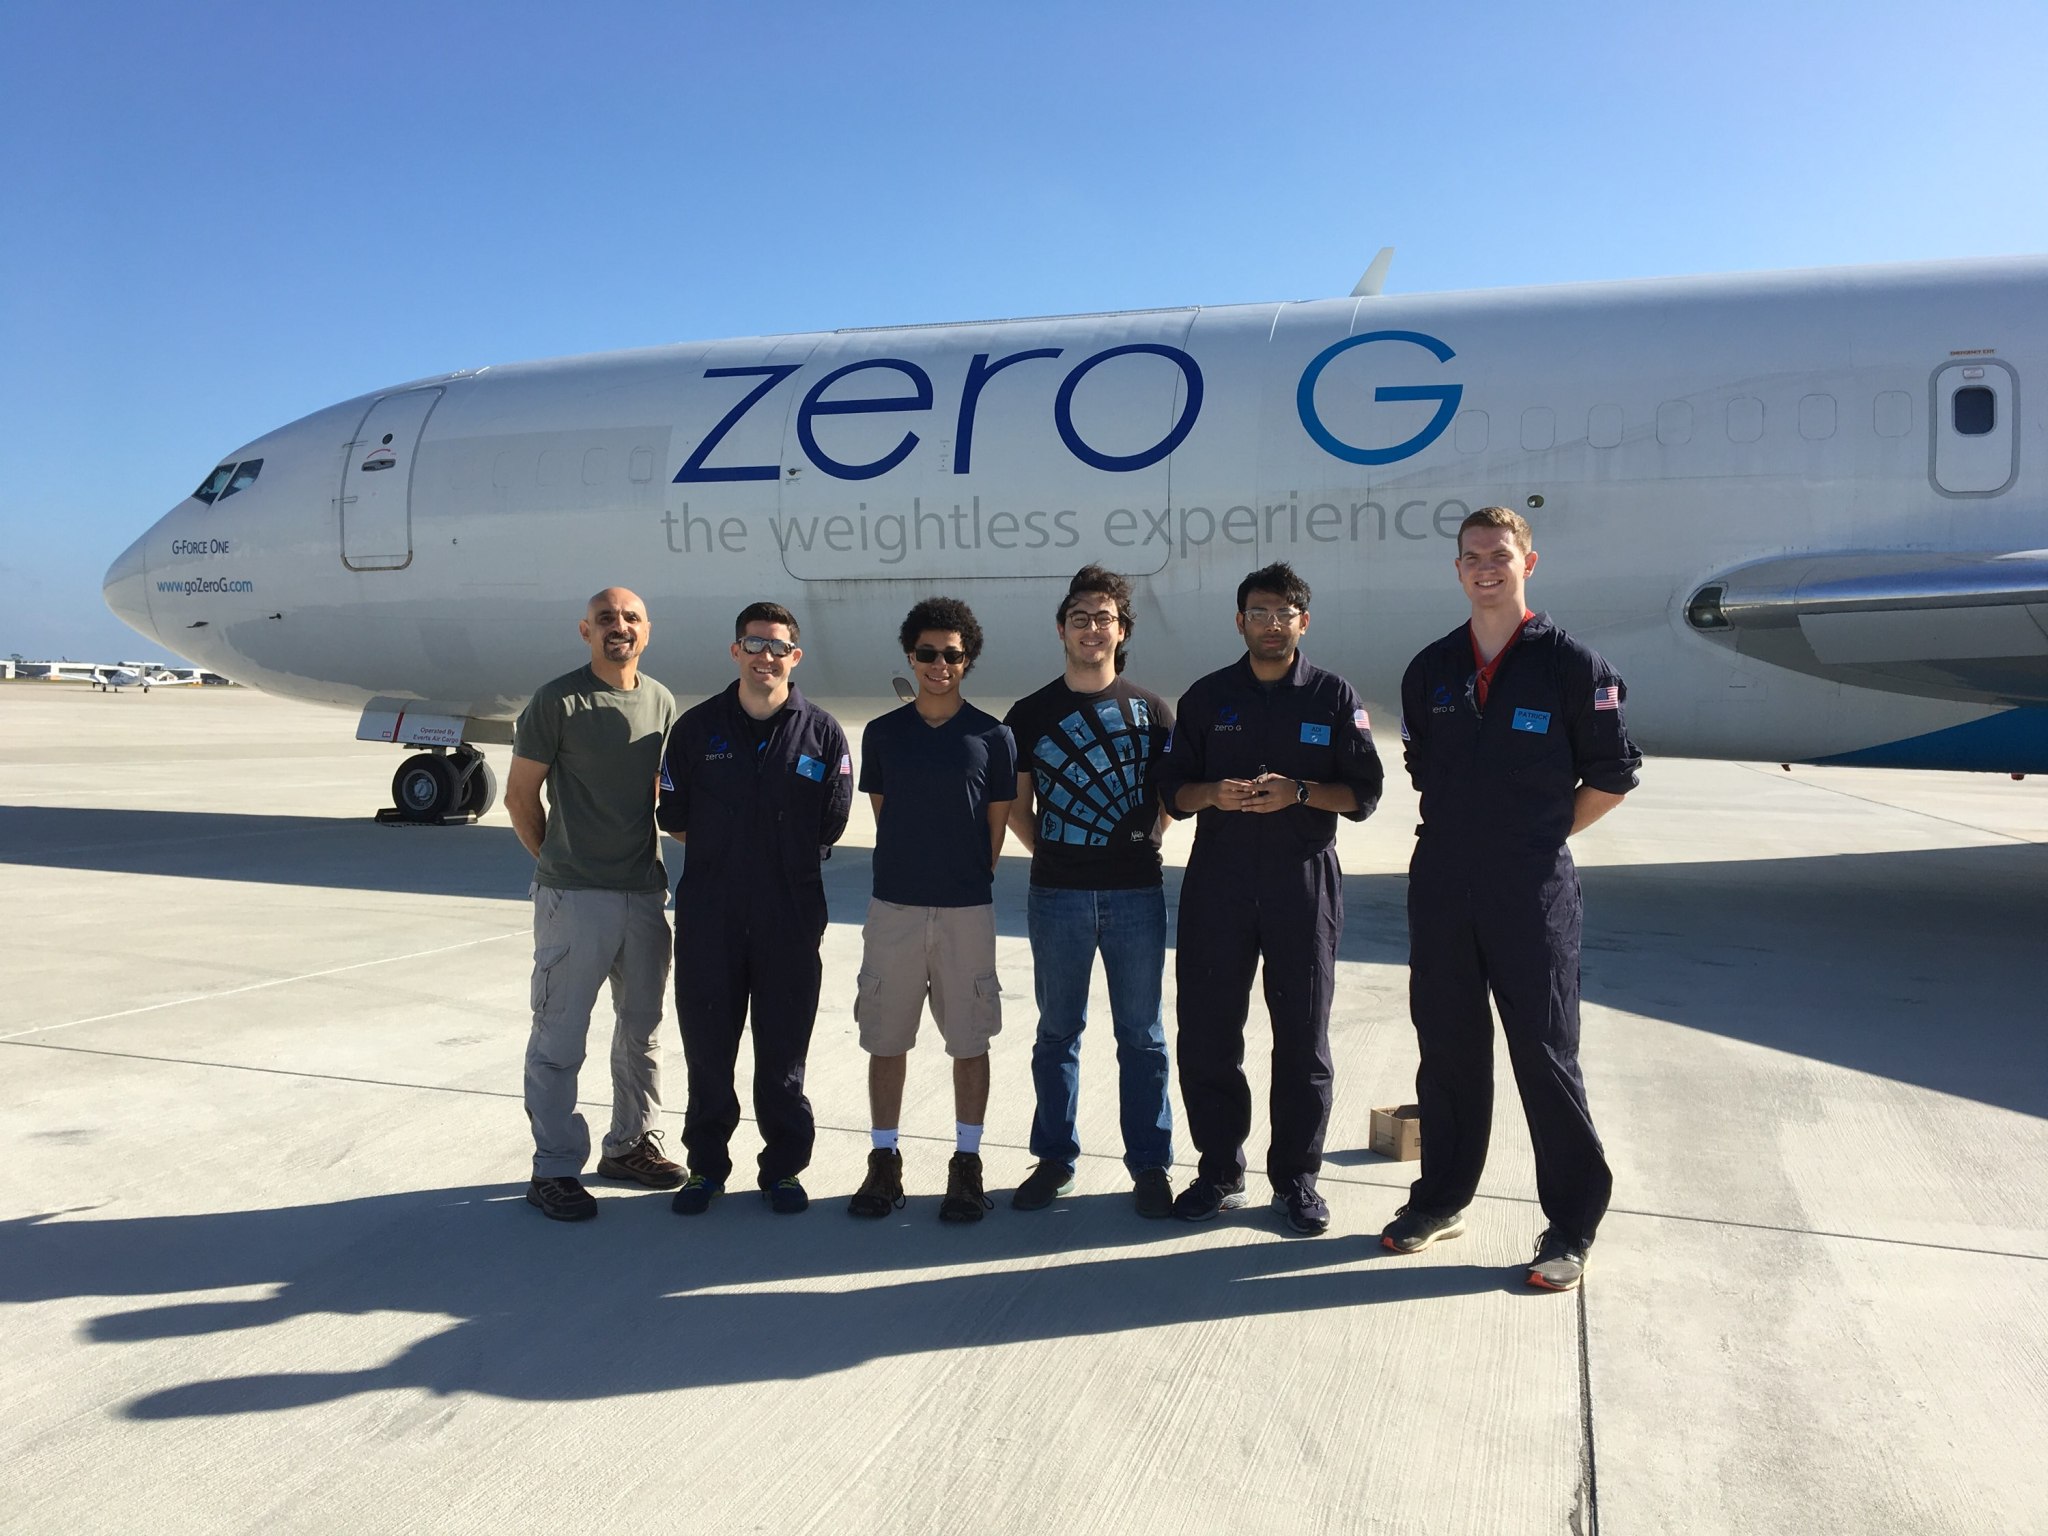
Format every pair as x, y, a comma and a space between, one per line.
756, 784
941, 775
1266, 755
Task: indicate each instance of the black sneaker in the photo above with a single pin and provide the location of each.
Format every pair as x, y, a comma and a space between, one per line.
1411, 1230
1306, 1211
696, 1195
965, 1200
882, 1190
1201, 1200
1043, 1185
1151, 1193
561, 1199
786, 1197
641, 1163
1560, 1262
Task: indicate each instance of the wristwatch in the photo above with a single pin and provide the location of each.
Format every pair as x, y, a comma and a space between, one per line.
1301, 792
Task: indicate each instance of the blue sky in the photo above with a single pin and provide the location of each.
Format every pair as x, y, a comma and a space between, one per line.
218, 217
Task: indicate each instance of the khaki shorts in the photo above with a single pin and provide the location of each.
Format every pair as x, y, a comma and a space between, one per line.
948, 953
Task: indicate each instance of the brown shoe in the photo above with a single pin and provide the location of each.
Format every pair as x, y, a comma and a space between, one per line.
641, 1163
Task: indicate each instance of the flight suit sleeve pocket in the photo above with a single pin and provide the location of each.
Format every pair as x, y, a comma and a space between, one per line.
545, 960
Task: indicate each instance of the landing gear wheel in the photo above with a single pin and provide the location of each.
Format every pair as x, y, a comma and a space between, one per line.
480, 789
425, 787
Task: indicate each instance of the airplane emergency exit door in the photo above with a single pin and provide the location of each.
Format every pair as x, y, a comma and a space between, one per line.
376, 485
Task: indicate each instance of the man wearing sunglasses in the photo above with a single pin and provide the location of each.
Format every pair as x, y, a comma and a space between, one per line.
940, 774
1514, 735
1266, 755
1088, 744
756, 784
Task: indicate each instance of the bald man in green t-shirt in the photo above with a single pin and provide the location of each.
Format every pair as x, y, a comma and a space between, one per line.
594, 737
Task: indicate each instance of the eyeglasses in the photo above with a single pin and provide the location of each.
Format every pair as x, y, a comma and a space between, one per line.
1107, 619
1264, 618
755, 645
931, 653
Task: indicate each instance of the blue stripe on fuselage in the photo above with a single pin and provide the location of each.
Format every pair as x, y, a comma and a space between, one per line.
2013, 741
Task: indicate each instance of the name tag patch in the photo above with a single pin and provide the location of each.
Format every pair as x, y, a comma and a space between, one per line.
1535, 721
811, 768
1316, 735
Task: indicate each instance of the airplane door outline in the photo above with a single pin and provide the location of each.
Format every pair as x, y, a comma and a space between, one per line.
375, 504
1961, 465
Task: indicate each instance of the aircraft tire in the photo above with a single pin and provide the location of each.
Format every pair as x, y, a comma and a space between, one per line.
424, 788
480, 789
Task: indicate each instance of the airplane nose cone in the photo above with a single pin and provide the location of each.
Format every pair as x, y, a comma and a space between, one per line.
127, 588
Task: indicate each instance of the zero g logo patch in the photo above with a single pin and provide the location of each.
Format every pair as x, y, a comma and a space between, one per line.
1226, 719
721, 749
1441, 702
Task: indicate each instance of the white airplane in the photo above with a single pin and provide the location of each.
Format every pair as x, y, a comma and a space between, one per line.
143, 676
1803, 513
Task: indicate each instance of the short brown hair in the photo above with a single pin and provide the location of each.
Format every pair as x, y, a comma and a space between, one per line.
765, 613
1499, 517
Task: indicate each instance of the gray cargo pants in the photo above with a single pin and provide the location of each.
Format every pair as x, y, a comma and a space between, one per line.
581, 939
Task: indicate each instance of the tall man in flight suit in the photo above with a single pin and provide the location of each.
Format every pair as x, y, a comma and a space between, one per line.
756, 783
1515, 739
593, 738
1266, 755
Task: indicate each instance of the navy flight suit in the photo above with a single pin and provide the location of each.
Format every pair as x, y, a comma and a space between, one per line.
1262, 885
1493, 904
762, 802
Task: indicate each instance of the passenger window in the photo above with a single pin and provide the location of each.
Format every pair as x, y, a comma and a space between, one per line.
1976, 411
213, 484
244, 477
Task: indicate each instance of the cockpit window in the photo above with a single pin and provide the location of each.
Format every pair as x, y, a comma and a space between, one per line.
215, 483
245, 476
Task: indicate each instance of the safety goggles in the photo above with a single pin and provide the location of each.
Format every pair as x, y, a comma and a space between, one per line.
952, 656
756, 645
1266, 618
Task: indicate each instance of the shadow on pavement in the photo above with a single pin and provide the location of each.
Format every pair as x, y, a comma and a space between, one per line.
644, 1301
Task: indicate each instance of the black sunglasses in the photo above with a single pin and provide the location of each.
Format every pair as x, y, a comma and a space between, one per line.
754, 645
931, 653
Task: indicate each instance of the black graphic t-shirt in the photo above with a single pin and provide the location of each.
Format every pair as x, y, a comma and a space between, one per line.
1091, 758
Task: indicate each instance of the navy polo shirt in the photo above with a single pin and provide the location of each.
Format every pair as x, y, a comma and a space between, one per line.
936, 783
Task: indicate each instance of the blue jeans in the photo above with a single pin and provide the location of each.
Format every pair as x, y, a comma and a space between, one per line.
1129, 927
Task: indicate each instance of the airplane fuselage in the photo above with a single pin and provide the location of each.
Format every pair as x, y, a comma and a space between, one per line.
430, 546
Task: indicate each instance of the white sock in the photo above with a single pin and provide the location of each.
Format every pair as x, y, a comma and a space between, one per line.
967, 1138
884, 1140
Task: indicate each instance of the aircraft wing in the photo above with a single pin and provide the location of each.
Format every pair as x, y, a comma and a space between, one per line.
1950, 625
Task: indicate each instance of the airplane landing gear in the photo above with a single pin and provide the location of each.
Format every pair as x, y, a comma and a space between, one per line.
441, 788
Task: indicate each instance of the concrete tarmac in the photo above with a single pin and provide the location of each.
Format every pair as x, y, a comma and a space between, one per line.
265, 1262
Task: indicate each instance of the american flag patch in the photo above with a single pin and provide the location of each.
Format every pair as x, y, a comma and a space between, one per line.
846, 762
1359, 720
1607, 696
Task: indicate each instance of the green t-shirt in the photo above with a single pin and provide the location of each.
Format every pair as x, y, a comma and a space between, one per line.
603, 747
